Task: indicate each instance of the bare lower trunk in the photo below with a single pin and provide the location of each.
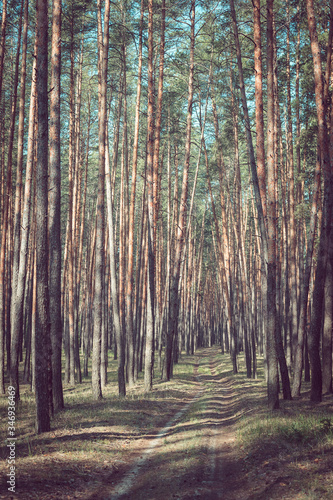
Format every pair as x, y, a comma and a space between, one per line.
55, 210
42, 340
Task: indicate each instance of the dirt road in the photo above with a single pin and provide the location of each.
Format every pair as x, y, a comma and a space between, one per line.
194, 454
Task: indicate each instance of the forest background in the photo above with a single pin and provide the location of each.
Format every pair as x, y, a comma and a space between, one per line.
166, 184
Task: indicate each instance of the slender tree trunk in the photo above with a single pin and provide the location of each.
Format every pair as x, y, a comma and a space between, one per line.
6, 271
120, 344
327, 328
131, 331
70, 228
253, 165
259, 105
180, 236
298, 358
20, 141
323, 139
272, 362
3, 42
17, 303
42, 346
150, 333
55, 209
291, 199
103, 45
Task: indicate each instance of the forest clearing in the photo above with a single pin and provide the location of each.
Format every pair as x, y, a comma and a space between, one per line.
208, 432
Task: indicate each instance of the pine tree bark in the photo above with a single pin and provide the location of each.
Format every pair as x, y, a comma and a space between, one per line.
298, 358
17, 303
11, 280
55, 209
130, 323
291, 202
150, 332
181, 230
103, 45
323, 140
3, 41
42, 341
272, 362
260, 135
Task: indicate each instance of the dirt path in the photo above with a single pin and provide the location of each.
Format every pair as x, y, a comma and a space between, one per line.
194, 455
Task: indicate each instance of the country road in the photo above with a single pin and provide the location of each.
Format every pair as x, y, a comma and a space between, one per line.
194, 454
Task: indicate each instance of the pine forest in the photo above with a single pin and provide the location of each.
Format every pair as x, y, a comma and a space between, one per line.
166, 189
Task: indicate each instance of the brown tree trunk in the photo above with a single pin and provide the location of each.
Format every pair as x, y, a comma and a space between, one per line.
70, 228
119, 335
130, 323
103, 45
150, 332
13, 354
17, 308
42, 346
20, 141
291, 203
298, 358
272, 362
327, 327
259, 105
55, 209
180, 235
323, 139
3, 41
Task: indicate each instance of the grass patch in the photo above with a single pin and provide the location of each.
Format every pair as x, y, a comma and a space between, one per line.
288, 453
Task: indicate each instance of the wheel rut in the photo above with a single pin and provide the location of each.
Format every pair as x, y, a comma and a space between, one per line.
194, 455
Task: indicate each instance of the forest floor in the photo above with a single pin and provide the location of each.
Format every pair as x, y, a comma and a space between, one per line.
206, 434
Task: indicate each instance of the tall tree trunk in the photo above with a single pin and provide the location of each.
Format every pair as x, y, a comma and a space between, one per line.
42, 346
249, 141
298, 358
3, 42
20, 141
259, 105
131, 331
150, 332
323, 139
291, 200
70, 228
14, 342
17, 309
55, 209
272, 362
327, 327
120, 343
181, 230
103, 45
